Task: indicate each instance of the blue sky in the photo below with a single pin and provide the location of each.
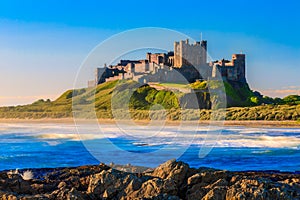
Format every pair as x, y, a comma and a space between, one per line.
43, 43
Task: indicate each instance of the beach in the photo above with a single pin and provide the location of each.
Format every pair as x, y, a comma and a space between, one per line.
248, 123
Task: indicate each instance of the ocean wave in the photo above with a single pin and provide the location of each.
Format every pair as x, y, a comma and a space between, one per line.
253, 131
261, 141
248, 130
73, 137
227, 141
58, 136
168, 135
261, 152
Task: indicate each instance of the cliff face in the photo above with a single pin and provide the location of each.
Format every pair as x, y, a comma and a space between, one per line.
171, 180
238, 94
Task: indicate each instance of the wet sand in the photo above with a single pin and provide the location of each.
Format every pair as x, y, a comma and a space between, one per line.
250, 123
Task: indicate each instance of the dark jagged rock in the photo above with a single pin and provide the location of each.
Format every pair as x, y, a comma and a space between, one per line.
170, 181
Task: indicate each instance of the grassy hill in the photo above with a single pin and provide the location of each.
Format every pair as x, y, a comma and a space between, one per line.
178, 105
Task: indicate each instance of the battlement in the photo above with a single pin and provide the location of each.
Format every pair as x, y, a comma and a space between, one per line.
186, 42
238, 56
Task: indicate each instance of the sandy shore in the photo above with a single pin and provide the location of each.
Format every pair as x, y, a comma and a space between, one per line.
250, 123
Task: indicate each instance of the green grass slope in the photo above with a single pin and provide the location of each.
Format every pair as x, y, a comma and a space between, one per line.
139, 99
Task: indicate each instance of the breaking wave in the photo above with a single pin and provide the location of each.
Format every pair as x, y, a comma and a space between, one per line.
170, 135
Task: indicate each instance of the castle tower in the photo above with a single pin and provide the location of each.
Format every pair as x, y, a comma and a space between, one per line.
177, 54
100, 74
148, 57
240, 66
186, 54
203, 56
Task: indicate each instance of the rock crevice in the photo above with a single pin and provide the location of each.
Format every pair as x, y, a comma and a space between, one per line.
172, 180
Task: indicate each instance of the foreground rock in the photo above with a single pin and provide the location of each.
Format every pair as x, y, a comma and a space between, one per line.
171, 180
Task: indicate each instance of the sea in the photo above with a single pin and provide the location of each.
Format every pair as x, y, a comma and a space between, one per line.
235, 148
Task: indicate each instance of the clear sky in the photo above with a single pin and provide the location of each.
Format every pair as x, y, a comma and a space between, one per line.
43, 43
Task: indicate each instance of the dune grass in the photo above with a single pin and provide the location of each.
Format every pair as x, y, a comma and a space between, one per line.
141, 101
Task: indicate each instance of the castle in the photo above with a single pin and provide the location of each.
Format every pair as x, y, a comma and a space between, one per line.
187, 63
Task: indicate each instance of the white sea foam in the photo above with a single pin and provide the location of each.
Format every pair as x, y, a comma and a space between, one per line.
231, 140
53, 143
169, 135
261, 152
58, 136
253, 131
74, 137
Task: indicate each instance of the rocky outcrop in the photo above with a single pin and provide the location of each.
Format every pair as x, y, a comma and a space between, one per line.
171, 181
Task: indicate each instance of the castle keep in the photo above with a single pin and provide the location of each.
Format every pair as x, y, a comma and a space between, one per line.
186, 54
187, 63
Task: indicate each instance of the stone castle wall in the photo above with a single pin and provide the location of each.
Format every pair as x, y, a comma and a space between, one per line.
188, 62
233, 70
